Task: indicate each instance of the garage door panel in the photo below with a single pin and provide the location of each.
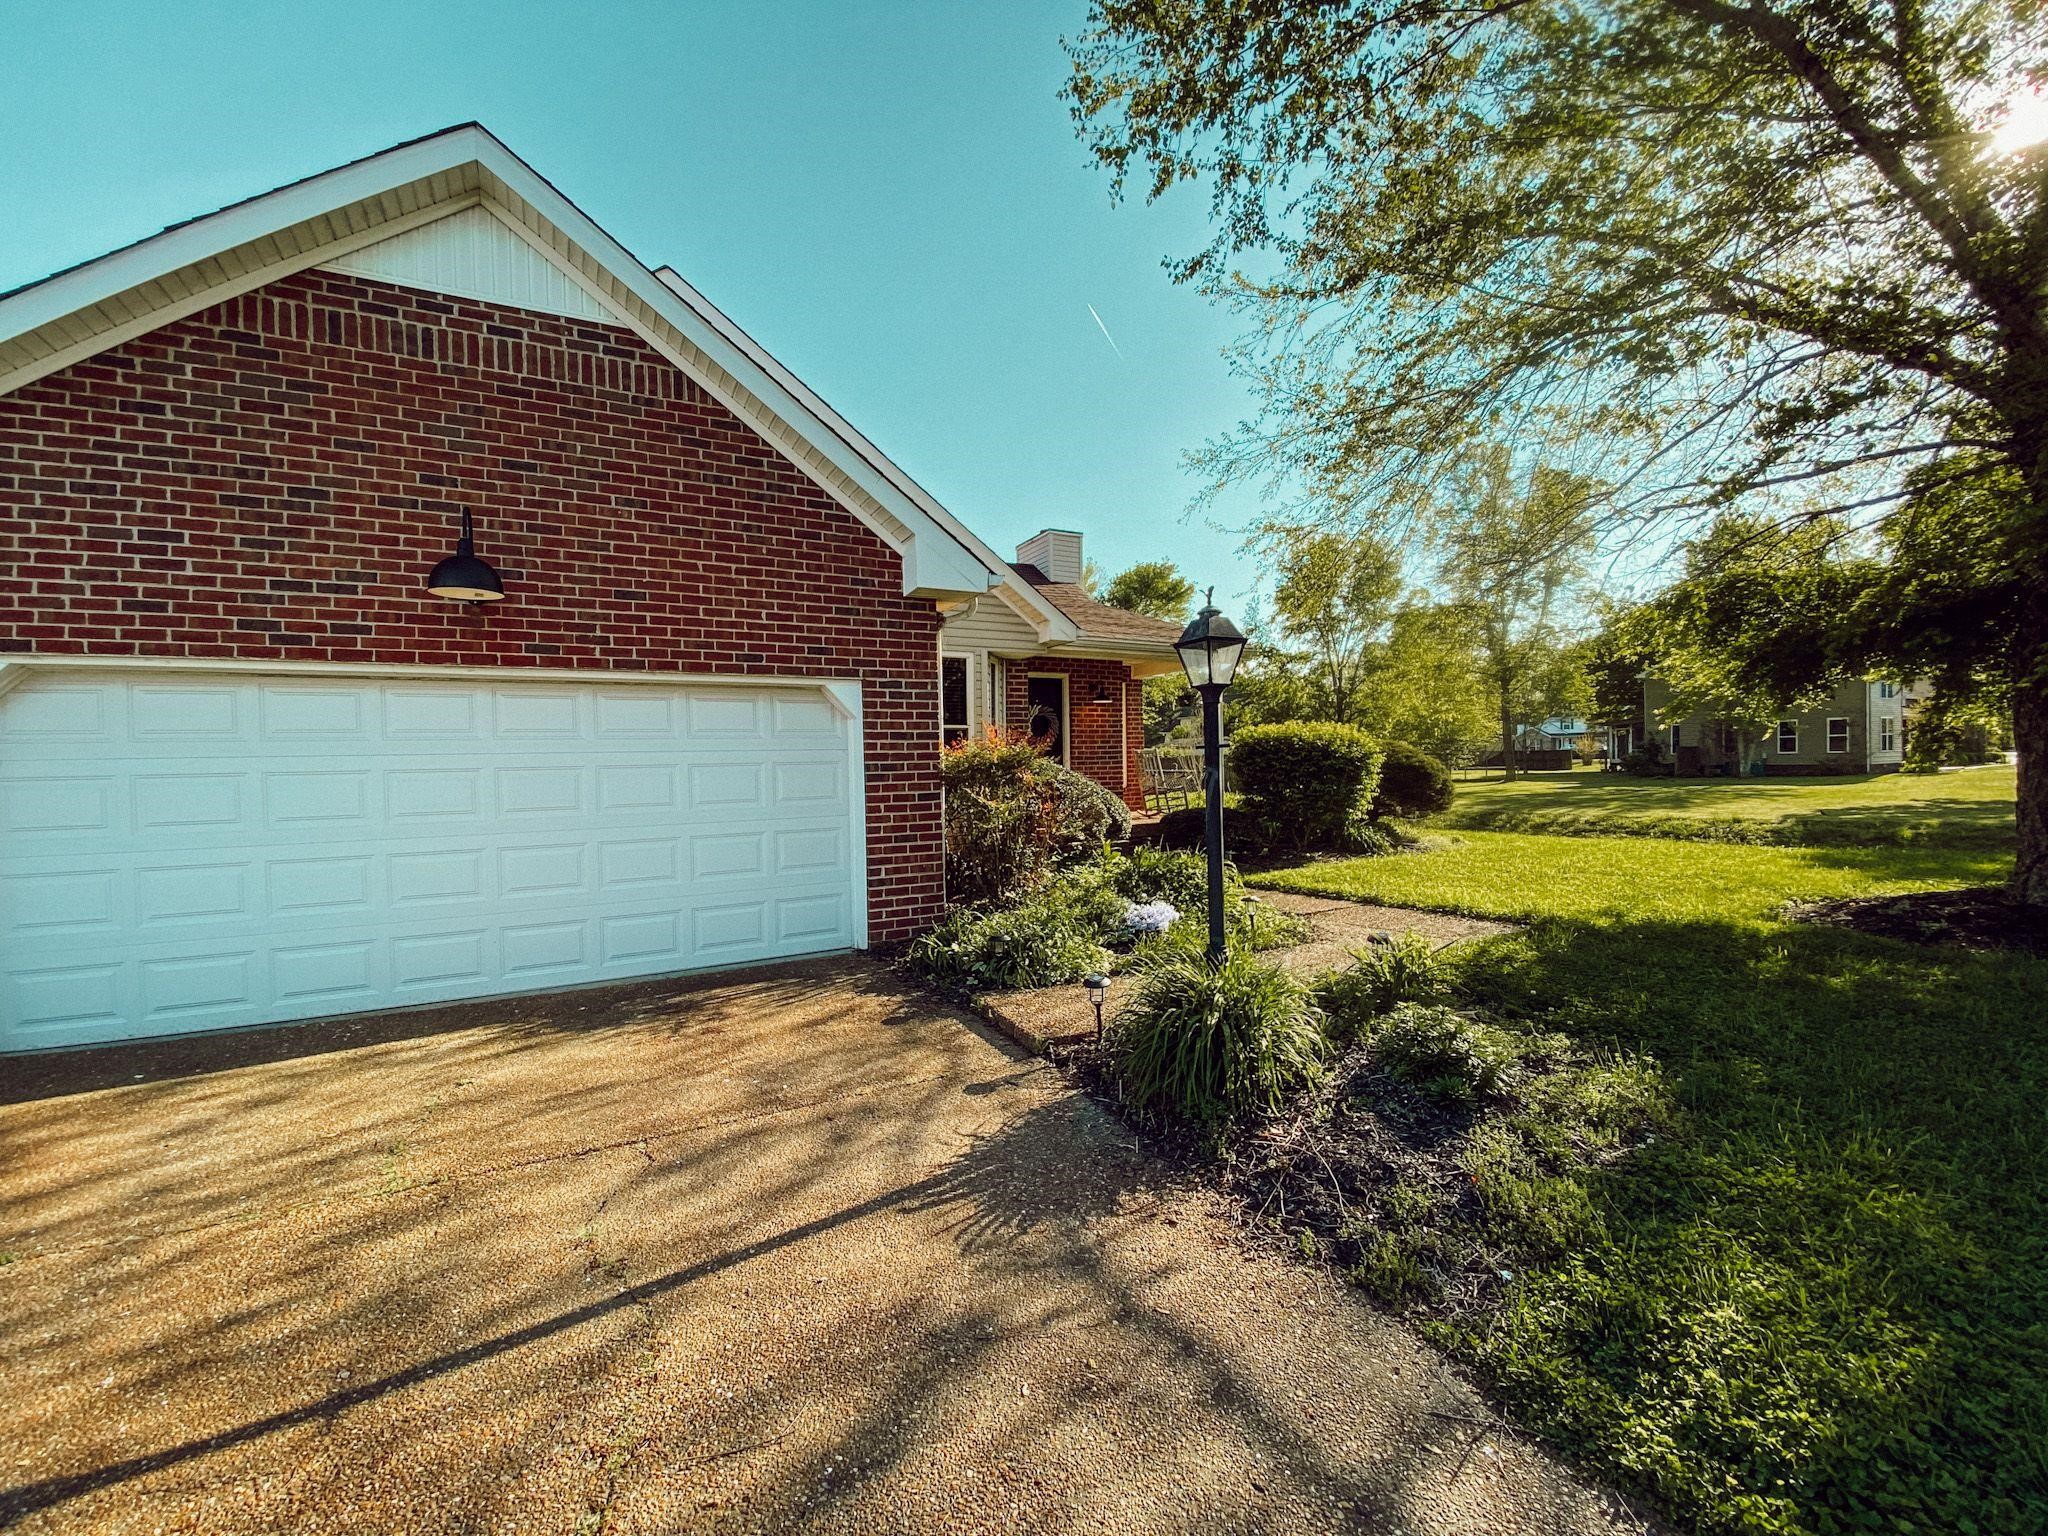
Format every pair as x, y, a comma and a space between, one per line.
181, 855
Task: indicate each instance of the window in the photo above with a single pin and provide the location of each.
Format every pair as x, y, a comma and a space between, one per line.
954, 722
1887, 734
1887, 691
1788, 735
1838, 736
1676, 738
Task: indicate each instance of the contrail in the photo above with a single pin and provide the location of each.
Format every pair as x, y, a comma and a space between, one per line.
1119, 351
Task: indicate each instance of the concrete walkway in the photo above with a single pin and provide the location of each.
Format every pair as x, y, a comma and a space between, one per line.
1046, 1016
795, 1251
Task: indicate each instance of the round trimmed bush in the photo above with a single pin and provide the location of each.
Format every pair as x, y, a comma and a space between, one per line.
1412, 783
1303, 780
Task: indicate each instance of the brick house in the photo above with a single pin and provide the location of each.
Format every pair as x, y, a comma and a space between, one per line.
251, 770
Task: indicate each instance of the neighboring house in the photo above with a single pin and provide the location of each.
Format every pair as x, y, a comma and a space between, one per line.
1553, 744
1860, 728
251, 771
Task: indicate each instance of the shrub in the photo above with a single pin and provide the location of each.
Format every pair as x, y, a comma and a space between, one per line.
1211, 1044
1182, 879
1085, 815
1303, 780
1184, 829
1363, 835
1646, 761
1013, 814
1383, 976
1412, 783
1035, 945
1444, 1054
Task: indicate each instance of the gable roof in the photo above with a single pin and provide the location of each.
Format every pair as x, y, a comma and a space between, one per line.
1099, 621
85, 309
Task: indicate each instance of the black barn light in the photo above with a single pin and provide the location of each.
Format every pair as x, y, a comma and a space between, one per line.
463, 576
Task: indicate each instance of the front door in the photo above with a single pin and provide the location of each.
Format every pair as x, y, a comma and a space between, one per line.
1045, 714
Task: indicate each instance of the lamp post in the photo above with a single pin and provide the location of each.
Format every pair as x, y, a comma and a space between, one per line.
1209, 649
1098, 988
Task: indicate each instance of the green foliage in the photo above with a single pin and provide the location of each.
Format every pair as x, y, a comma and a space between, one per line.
1084, 814
1182, 880
1154, 588
1166, 700
1412, 783
1334, 600
1380, 977
1513, 562
1811, 1301
1212, 1044
1038, 944
1013, 814
1767, 256
1304, 780
1442, 1053
1646, 761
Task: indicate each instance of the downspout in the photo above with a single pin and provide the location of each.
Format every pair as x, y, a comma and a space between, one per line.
1867, 685
1123, 734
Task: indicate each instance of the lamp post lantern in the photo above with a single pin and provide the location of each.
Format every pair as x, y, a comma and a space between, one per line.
1209, 650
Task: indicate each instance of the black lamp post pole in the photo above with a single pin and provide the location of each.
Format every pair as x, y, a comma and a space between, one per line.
1212, 802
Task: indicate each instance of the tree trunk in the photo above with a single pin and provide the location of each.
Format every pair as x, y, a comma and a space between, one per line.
2030, 735
1507, 737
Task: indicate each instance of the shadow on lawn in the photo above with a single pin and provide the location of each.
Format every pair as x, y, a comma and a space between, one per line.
1829, 1286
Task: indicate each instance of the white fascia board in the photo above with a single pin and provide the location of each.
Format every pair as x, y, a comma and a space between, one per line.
1033, 607
184, 245
940, 558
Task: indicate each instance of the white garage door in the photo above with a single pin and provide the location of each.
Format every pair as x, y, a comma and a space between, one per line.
188, 852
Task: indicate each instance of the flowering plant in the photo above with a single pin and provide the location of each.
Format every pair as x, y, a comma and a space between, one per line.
1150, 917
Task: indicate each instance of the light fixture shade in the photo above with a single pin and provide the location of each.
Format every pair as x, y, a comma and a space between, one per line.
1097, 985
1103, 695
464, 577
1210, 647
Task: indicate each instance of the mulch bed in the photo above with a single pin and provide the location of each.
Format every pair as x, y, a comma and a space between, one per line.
1326, 1170
1982, 917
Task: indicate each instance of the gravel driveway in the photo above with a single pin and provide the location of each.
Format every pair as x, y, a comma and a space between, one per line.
796, 1250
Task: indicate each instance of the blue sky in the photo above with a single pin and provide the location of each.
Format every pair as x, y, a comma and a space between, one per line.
890, 197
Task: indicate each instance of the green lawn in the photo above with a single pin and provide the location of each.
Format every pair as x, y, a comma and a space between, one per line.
1822, 1303
1971, 807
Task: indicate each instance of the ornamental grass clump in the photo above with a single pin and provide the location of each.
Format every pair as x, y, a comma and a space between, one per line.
1212, 1044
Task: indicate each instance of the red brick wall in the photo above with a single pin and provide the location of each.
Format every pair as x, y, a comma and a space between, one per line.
1103, 748
273, 478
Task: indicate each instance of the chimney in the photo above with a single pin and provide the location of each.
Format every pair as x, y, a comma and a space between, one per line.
1055, 551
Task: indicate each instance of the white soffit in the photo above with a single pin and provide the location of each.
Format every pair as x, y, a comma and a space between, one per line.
473, 254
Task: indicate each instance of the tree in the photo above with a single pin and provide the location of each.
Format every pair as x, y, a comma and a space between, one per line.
1335, 600
1755, 247
1429, 689
1509, 563
1155, 588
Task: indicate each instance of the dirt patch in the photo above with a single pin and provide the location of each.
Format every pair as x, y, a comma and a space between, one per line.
1982, 917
